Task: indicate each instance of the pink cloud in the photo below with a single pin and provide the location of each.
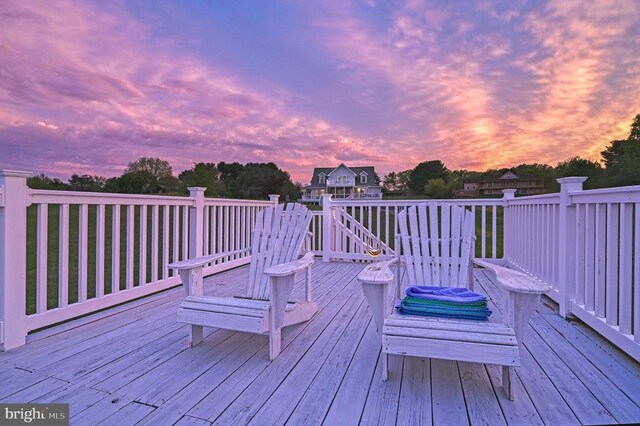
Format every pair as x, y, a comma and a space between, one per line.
90, 95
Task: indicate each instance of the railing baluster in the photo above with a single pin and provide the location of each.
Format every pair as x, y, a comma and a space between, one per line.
130, 243
165, 242
636, 275
483, 232
41, 258
613, 220
580, 254
232, 231
154, 242
494, 231
600, 253
220, 248
175, 236
212, 231
63, 268
206, 230
100, 250
115, 249
227, 214
589, 250
185, 232
83, 251
142, 260
625, 263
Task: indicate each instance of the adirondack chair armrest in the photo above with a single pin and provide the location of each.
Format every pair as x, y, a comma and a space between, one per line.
521, 295
289, 268
192, 270
204, 260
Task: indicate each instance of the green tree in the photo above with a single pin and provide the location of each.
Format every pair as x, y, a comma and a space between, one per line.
258, 180
437, 188
148, 175
138, 182
390, 181
87, 183
424, 172
204, 175
228, 178
156, 167
622, 158
43, 181
577, 166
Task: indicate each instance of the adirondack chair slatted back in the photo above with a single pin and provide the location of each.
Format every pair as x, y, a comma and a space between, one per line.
278, 236
436, 244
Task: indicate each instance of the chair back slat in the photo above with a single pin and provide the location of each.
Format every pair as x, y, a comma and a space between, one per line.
278, 237
436, 244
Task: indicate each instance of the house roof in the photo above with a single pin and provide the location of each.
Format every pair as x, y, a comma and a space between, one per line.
499, 177
369, 170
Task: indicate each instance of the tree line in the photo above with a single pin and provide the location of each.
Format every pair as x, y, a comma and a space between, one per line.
148, 175
620, 166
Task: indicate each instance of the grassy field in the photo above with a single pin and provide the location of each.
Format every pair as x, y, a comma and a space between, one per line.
53, 247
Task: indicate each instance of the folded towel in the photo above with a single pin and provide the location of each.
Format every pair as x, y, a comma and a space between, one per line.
419, 301
445, 294
411, 306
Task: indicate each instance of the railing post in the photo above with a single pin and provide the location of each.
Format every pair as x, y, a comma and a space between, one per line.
507, 195
13, 258
567, 243
196, 221
274, 199
326, 227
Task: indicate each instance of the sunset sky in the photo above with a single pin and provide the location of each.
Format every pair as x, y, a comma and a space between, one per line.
86, 87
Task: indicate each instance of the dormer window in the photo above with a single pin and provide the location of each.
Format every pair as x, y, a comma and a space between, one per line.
363, 177
322, 178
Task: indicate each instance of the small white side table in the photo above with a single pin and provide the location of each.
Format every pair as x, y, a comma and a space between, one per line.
374, 280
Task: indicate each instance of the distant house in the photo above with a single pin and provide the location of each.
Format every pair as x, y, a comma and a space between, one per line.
342, 182
494, 184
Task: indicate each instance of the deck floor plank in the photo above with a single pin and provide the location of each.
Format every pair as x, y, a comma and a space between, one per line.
349, 400
448, 404
244, 408
318, 373
206, 392
415, 394
132, 363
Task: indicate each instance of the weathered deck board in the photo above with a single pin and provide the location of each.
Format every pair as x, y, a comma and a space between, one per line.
131, 364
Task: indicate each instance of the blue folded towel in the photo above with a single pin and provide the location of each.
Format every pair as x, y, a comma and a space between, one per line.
445, 294
411, 306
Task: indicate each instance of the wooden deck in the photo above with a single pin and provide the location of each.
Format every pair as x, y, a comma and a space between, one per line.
131, 364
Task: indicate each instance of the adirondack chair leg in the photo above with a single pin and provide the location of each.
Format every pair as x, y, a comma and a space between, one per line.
196, 334
275, 341
507, 373
308, 295
385, 366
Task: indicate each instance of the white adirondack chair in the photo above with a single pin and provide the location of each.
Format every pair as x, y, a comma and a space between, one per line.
278, 239
435, 244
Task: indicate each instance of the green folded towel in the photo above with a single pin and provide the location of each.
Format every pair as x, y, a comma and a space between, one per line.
415, 306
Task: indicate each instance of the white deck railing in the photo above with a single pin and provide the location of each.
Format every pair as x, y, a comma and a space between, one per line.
65, 254
345, 238
586, 245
